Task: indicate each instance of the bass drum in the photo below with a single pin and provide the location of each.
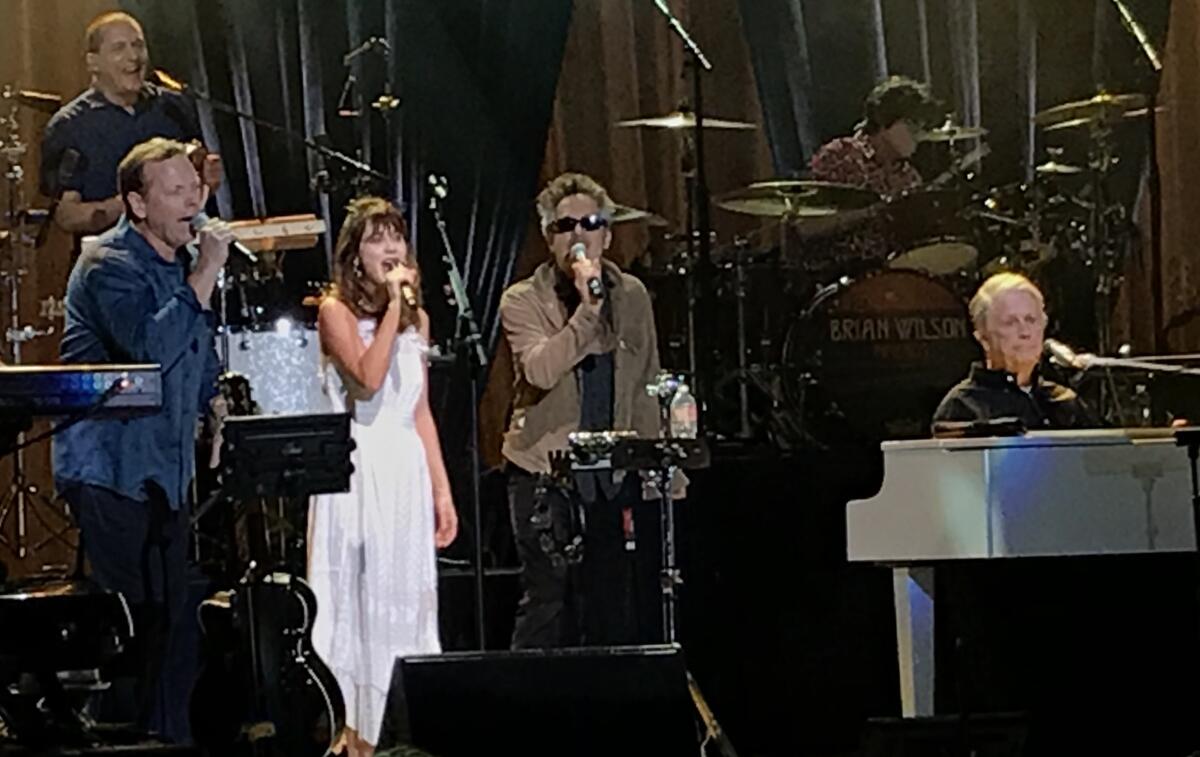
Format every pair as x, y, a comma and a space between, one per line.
283, 364
878, 353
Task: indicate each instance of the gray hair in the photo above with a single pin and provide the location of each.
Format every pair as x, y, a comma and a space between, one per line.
995, 286
571, 184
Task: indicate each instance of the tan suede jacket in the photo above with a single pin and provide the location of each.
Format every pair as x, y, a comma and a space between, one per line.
546, 346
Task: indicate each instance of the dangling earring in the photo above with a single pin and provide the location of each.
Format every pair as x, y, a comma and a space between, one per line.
358, 267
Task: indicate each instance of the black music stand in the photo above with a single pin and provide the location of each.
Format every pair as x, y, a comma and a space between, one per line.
282, 457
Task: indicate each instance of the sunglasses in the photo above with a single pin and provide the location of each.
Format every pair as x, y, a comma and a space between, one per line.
567, 224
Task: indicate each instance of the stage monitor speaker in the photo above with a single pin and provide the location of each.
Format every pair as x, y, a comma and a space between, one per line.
993, 734
581, 702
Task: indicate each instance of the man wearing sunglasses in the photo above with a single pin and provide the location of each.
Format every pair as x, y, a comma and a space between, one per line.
584, 347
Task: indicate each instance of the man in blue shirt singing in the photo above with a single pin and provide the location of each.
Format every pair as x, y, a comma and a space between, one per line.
132, 299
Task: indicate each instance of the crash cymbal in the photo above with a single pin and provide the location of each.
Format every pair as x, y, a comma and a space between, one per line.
1054, 168
625, 214
951, 133
1103, 106
685, 120
804, 199
45, 102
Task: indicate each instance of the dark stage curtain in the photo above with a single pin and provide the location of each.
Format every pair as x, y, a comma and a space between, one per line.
476, 83
1178, 271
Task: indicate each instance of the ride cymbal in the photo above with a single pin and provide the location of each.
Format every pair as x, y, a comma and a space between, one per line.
804, 199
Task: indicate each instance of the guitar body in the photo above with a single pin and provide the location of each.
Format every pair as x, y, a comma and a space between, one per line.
293, 706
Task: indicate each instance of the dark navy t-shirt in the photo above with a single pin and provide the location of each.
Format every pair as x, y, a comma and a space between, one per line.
102, 133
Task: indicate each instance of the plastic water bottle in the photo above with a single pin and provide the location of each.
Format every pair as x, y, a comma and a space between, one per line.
684, 414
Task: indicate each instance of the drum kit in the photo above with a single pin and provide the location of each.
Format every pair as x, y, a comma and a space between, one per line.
820, 340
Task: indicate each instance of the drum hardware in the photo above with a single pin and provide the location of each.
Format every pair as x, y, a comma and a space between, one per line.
959, 165
23, 498
1107, 226
932, 231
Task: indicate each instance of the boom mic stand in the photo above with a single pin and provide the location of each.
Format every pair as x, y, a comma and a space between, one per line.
698, 211
468, 345
325, 151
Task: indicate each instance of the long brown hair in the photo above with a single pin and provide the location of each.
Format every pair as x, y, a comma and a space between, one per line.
351, 285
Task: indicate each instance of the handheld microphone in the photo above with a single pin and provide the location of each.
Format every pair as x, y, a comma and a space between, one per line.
1063, 355
579, 252
202, 218
406, 290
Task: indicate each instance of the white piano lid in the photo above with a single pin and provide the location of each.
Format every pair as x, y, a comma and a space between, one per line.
1075, 438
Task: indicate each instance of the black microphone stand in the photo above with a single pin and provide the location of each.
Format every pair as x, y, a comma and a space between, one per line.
325, 151
1154, 184
698, 211
468, 345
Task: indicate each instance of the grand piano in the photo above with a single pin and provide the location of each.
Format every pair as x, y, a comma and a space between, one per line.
1044, 494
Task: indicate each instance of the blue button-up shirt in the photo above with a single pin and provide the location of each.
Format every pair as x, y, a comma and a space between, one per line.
126, 304
103, 133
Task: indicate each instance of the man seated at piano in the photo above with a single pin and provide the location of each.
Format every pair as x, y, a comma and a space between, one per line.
1009, 316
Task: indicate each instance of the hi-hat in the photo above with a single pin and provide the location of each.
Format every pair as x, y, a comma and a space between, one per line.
684, 120
802, 199
625, 214
1102, 107
951, 133
1054, 168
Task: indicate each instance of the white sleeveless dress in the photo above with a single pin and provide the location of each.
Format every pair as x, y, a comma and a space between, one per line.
372, 560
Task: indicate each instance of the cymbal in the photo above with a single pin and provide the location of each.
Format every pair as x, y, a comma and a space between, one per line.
625, 214
45, 102
1128, 115
951, 133
685, 120
1100, 107
1054, 168
805, 199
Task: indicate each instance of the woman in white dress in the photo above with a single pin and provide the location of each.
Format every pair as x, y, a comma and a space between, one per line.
372, 551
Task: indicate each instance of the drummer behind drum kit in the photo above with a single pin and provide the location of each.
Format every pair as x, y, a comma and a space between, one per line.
819, 343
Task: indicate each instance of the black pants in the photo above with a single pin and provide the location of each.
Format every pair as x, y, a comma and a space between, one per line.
140, 550
611, 596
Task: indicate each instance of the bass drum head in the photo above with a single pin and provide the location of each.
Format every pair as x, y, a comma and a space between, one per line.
283, 366
880, 353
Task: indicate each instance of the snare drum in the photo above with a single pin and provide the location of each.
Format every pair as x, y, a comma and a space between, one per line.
931, 233
881, 351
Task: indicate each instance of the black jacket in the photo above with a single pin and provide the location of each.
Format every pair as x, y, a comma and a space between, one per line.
991, 394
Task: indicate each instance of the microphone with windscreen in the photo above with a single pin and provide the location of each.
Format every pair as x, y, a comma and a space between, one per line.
202, 218
406, 290
1064, 355
579, 252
